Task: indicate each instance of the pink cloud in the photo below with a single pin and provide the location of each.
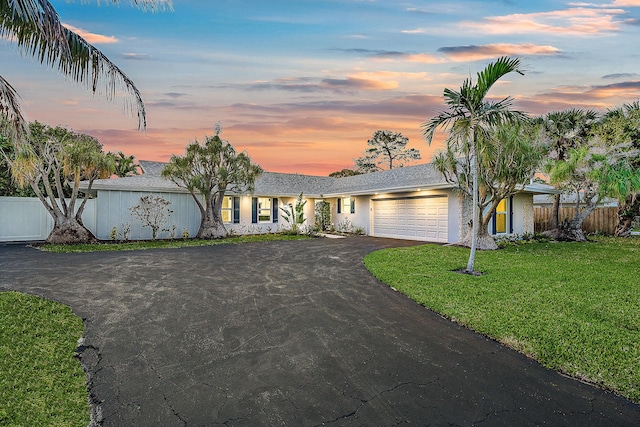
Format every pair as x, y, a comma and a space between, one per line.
488, 51
572, 21
92, 38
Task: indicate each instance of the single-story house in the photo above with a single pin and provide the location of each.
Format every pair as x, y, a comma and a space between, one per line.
413, 202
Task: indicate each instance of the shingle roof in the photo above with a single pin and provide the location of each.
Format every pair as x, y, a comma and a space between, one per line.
408, 178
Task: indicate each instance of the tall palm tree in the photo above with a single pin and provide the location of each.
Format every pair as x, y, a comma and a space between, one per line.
35, 27
469, 116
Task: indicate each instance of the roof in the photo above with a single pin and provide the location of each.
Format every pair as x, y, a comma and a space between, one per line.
404, 179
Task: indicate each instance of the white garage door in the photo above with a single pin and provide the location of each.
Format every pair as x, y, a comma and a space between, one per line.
413, 219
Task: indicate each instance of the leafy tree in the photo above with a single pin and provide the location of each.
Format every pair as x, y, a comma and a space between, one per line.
385, 148
209, 171
344, 172
57, 159
561, 132
591, 172
508, 156
468, 118
153, 212
7, 186
622, 125
294, 215
35, 27
323, 215
602, 162
125, 165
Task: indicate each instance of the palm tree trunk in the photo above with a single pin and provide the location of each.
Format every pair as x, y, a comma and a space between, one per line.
475, 214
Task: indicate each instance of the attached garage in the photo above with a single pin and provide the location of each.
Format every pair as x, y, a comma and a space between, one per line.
420, 218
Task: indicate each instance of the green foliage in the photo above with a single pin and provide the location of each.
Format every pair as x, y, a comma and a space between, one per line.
294, 215
41, 382
209, 170
571, 306
124, 165
344, 172
323, 215
385, 148
114, 233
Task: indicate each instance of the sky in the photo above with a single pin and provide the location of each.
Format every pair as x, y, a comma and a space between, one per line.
301, 85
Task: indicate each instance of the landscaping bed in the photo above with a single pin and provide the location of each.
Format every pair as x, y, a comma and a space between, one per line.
574, 307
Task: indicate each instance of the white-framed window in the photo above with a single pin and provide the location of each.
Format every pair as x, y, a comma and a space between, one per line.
264, 209
227, 210
347, 205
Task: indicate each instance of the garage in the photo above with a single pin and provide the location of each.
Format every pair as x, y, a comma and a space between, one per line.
423, 218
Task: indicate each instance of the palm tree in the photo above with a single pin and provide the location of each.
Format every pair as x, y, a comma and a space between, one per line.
469, 116
125, 165
621, 125
565, 130
52, 162
34, 25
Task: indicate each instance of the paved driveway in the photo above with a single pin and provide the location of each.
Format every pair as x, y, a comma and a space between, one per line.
287, 333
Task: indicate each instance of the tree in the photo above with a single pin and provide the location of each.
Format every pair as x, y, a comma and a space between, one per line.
622, 125
562, 131
600, 161
57, 159
322, 213
508, 156
468, 117
210, 170
385, 148
591, 172
125, 165
343, 173
35, 27
153, 212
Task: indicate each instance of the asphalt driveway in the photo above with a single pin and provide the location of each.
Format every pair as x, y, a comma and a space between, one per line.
287, 333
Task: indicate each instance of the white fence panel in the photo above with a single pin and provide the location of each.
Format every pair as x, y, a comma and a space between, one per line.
25, 219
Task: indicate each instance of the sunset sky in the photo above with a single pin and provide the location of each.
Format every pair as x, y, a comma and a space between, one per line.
302, 85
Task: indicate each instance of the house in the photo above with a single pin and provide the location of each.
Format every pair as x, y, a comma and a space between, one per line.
413, 202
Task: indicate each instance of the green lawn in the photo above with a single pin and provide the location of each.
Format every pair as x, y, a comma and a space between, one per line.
575, 307
177, 243
41, 383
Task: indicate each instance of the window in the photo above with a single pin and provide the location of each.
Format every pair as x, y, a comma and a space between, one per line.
502, 217
347, 205
227, 210
264, 209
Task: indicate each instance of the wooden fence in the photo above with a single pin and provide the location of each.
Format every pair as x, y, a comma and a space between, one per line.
601, 220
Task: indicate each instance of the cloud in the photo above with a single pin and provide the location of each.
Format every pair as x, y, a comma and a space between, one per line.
354, 83
136, 56
92, 38
311, 84
572, 21
461, 53
488, 51
620, 76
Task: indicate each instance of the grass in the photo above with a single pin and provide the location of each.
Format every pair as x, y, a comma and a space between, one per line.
41, 383
154, 244
574, 307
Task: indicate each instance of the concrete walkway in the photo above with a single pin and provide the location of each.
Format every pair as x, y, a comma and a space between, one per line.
287, 333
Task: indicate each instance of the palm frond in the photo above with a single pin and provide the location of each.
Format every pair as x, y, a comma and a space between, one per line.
11, 111
494, 71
